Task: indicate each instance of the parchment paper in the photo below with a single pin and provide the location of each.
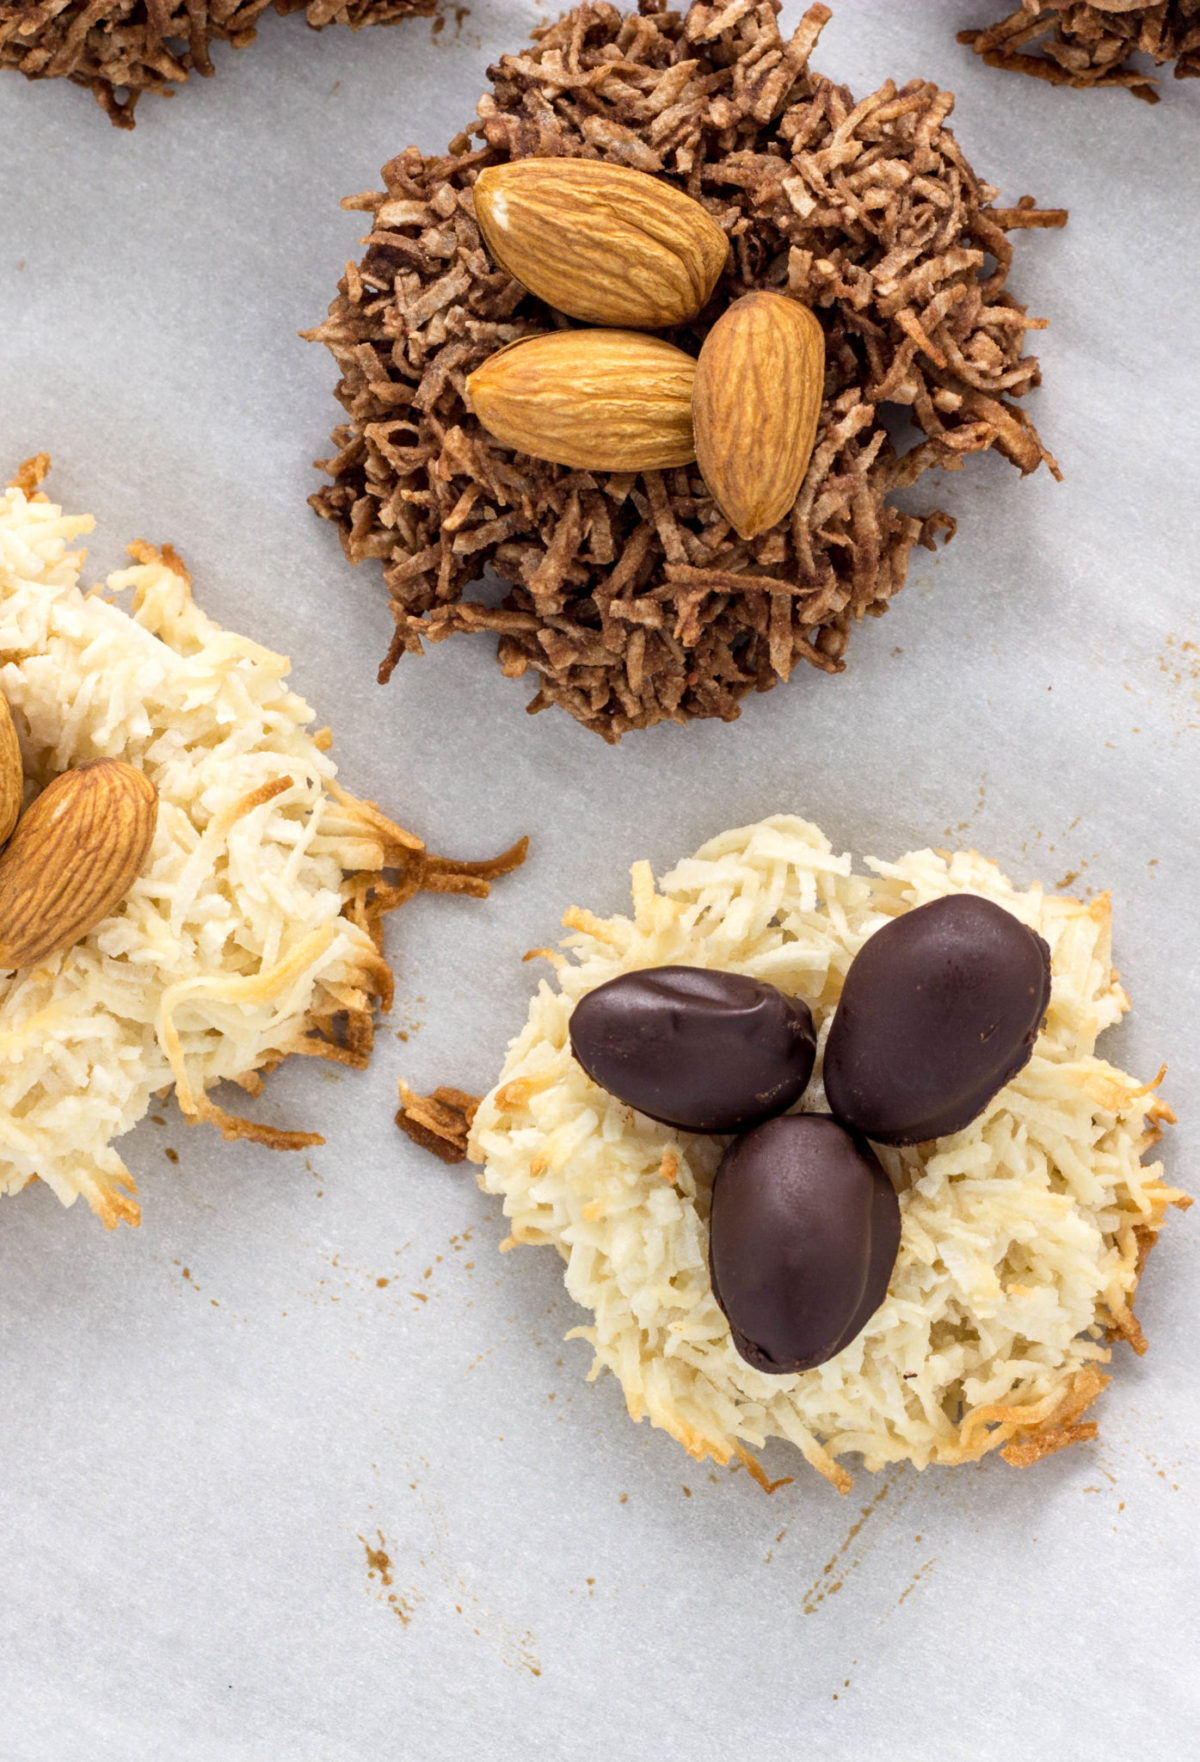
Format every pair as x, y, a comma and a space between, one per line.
215, 1428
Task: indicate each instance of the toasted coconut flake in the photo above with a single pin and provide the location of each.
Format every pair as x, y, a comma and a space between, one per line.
439, 1122
1023, 1236
631, 601
1074, 43
30, 474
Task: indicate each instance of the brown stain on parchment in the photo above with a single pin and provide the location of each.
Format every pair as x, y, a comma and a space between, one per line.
379, 1566
361, 1281
1179, 664
377, 1559
833, 1574
911, 1586
514, 1647
1176, 690
460, 15
846, 1683
973, 813
917, 1576
413, 1022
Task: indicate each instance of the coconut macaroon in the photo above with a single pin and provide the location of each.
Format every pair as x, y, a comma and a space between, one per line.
1023, 1236
253, 930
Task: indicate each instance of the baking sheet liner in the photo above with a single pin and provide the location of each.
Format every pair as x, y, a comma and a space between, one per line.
303, 1469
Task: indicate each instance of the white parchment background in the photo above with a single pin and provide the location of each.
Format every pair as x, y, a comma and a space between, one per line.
203, 1419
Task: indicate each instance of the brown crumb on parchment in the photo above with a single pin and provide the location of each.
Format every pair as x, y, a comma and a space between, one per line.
122, 48
630, 599
30, 473
1071, 43
439, 1122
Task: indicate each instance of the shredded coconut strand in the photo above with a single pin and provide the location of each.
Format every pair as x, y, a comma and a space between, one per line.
1023, 1236
252, 931
1076, 43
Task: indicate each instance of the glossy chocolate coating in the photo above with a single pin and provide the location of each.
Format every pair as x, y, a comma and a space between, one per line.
701, 1050
804, 1234
939, 1011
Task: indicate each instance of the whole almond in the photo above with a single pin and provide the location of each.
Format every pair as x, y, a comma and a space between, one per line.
600, 400
759, 383
73, 858
601, 242
12, 777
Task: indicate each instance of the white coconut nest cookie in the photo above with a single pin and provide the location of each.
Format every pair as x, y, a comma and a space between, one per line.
1023, 1236
253, 930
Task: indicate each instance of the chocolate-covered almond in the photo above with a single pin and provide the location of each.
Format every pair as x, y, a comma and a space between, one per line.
939, 1011
701, 1050
804, 1234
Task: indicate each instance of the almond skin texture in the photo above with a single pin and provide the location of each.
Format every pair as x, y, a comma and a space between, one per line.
759, 383
73, 858
601, 242
598, 400
12, 777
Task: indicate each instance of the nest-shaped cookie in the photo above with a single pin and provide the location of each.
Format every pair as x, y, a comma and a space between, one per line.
631, 599
253, 932
136, 46
1023, 1236
1078, 43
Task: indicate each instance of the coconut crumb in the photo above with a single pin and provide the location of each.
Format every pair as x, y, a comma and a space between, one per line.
440, 1122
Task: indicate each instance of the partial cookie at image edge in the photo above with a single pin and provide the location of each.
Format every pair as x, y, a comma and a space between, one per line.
253, 931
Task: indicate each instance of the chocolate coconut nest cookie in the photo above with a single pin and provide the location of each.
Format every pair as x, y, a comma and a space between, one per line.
1074, 43
136, 46
632, 598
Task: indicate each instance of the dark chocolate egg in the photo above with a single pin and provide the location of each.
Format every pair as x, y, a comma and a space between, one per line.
701, 1050
939, 1011
804, 1234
